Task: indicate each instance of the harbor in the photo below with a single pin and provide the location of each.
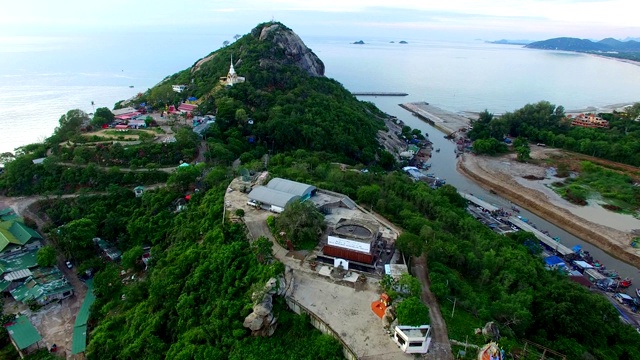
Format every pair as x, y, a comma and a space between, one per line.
579, 265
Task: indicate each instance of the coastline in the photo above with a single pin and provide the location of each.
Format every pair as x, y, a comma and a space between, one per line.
612, 241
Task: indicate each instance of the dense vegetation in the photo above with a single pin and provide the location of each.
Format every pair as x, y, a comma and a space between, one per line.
545, 123
615, 188
606, 47
192, 300
288, 109
493, 277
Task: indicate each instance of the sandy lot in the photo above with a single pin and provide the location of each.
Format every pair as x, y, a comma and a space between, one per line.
608, 231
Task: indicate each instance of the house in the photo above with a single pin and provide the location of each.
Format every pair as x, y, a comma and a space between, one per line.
588, 121
15, 237
108, 250
413, 339
23, 334
178, 88
137, 124
138, 190
187, 108
43, 286
125, 113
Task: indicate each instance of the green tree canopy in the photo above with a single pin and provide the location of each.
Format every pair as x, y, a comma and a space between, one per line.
412, 312
46, 256
302, 223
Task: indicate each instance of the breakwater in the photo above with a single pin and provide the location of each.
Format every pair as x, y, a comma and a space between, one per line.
373, 93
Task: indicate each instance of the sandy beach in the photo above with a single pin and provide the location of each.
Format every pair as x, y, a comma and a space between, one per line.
608, 231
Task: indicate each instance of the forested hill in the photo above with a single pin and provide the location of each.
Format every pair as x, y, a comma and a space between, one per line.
584, 45
290, 102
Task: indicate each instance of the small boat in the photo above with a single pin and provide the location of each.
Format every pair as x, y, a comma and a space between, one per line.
625, 283
438, 150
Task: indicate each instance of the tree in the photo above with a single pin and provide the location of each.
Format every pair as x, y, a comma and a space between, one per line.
102, 116
410, 244
412, 312
302, 223
369, 194
46, 256
225, 43
132, 257
236, 37
75, 239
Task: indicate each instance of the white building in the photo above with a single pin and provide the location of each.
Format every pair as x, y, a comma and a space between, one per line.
179, 88
413, 339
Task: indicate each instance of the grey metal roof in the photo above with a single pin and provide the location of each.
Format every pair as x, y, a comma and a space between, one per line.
269, 196
291, 187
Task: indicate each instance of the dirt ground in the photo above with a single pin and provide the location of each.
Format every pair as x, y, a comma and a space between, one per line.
504, 176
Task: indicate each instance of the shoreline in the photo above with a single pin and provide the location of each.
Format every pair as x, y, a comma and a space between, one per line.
585, 230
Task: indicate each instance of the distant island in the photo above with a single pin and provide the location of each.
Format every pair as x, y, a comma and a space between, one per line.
359, 42
402, 42
510, 42
606, 47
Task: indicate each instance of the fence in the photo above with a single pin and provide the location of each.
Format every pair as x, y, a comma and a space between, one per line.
319, 324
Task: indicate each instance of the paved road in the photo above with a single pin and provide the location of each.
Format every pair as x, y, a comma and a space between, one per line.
440, 347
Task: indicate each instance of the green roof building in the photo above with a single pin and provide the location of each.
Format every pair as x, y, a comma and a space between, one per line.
22, 332
17, 233
79, 342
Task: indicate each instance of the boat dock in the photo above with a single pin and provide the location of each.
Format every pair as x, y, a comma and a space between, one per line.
594, 275
545, 239
382, 93
542, 237
478, 202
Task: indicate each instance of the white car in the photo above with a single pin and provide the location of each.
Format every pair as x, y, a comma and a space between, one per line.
69, 264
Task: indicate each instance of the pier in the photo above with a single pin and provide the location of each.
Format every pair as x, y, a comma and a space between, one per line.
545, 239
445, 121
382, 93
594, 274
542, 237
478, 202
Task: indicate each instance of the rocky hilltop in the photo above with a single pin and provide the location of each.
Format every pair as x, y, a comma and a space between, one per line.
295, 51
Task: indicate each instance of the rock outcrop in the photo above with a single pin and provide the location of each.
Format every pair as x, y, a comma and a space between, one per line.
261, 321
295, 51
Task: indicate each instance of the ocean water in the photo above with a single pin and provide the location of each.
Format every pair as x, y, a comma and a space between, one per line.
38, 85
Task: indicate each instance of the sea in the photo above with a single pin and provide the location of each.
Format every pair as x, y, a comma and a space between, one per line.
40, 83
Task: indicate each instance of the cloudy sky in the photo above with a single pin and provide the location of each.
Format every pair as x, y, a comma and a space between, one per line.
429, 19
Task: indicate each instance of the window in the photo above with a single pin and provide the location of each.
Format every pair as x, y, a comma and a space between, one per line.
415, 344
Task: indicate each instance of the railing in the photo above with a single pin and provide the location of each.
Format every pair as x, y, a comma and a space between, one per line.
321, 325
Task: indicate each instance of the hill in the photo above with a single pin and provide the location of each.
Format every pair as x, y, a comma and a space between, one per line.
291, 103
584, 45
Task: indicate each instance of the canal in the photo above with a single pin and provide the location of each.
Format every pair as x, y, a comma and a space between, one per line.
444, 166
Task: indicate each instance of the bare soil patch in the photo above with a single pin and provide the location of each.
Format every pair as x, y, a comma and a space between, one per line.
502, 174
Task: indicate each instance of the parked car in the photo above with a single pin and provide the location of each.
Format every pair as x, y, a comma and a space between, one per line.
69, 264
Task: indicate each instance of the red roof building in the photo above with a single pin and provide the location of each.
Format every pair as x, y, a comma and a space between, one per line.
187, 108
589, 121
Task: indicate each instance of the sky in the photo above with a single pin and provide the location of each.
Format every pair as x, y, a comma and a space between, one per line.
43, 23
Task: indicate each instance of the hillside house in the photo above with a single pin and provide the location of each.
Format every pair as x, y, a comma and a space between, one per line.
588, 121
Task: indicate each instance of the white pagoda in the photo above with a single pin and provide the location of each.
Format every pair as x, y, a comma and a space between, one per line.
232, 77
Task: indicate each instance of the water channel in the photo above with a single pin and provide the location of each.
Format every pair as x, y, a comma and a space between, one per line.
444, 166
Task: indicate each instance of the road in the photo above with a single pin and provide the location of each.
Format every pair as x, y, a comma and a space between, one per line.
440, 346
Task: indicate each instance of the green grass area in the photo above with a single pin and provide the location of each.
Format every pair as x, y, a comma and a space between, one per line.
594, 181
462, 325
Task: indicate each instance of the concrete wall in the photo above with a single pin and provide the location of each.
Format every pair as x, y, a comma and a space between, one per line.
319, 324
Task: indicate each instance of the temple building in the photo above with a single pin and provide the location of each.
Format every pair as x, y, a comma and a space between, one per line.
232, 78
